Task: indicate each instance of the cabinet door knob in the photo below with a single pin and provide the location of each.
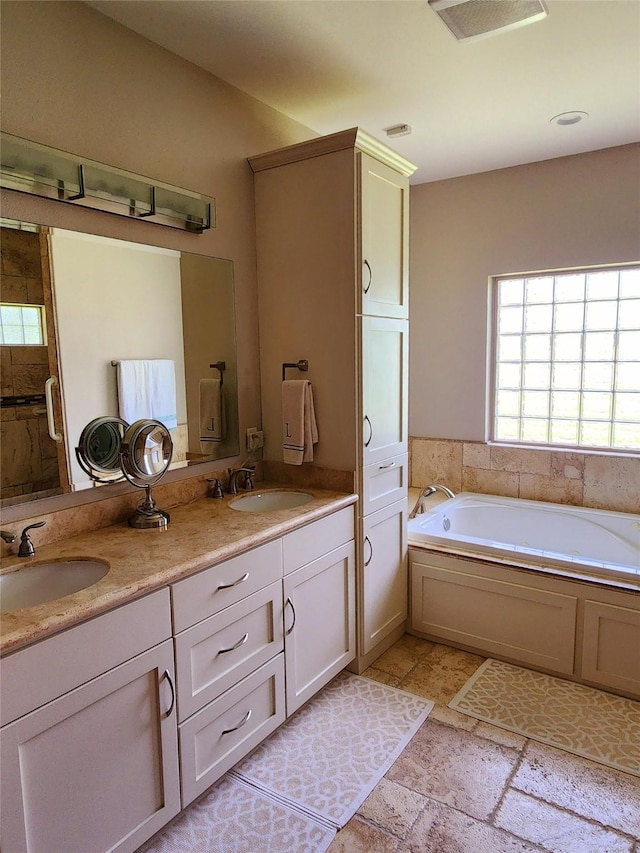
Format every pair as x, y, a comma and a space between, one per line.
368, 266
367, 421
293, 610
167, 675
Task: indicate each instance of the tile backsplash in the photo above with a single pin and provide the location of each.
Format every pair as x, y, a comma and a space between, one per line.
602, 481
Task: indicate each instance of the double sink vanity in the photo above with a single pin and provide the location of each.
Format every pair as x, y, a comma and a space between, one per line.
188, 646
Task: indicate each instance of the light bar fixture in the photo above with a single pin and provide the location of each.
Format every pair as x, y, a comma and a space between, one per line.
469, 20
30, 167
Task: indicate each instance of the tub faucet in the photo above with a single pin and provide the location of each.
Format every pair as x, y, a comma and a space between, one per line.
425, 493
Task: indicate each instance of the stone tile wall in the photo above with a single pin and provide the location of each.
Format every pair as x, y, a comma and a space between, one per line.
602, 481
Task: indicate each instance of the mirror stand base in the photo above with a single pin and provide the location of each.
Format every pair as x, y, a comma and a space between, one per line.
148, 516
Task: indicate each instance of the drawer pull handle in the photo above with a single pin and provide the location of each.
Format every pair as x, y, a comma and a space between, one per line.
293, 610
366, 562
167, 675
240, 642
244, 577
388, 465
242, 723
368, 266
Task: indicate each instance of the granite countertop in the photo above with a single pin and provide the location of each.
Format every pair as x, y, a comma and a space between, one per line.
200, 534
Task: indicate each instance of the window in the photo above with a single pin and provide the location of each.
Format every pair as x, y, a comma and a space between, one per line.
566, 366
22, 325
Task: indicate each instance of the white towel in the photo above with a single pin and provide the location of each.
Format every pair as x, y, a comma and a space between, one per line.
147, 389
299, 428
212, 413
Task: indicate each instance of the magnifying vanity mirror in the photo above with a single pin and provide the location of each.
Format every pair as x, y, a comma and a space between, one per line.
145, 456
74, 307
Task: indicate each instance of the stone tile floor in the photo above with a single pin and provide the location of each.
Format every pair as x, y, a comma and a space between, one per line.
463, 786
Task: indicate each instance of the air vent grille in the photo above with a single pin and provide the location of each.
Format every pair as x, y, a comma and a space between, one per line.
471, 19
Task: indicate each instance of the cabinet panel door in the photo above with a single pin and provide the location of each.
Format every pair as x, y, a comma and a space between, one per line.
96, 769
383, 601
384, 223
320, 634
384, 353
611, 646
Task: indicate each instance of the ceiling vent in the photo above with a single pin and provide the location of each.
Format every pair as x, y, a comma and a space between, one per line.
475, 19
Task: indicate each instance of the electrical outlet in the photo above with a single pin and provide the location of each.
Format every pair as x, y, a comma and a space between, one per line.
255, 438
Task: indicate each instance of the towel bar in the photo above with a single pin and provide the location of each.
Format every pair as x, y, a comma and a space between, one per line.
302, 365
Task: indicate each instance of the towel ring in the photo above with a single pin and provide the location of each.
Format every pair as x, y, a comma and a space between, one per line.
302, 365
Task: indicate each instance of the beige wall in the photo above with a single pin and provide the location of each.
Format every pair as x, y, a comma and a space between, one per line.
76, 80
559, 213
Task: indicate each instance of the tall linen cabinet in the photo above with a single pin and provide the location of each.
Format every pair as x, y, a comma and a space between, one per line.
332, 227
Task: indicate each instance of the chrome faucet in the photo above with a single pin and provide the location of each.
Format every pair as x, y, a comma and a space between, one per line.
426, 492
232, 487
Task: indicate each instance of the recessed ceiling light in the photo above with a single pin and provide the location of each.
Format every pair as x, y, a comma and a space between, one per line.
573, 117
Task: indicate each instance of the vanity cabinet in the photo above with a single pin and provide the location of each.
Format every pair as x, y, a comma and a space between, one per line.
95, 767
332, 232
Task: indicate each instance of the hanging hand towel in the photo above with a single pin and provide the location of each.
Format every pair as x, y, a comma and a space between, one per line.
147, 389
300, 431
212, 413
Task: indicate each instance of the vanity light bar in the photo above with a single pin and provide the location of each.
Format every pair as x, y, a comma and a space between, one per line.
37, 169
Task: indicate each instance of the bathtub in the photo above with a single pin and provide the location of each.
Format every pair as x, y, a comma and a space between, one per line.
584, 542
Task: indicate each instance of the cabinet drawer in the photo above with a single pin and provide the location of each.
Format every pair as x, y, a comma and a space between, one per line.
215, 654
48, 669
216, 738
312, 541
210, 591
384, 482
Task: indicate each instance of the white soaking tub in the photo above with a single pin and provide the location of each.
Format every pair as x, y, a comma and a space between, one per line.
585, 541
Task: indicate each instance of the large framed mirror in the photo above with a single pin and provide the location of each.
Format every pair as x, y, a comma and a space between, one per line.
76, 306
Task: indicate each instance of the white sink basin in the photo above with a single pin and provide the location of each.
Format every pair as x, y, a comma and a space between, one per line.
270, 501
35, 584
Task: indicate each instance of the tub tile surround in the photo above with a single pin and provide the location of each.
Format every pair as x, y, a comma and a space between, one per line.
463, 785
600, 481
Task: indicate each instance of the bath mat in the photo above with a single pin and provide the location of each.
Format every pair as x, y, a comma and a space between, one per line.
234, 817
330, 755
582, 720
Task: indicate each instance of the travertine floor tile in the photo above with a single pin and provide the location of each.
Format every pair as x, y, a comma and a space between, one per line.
557, 831
449, 717
403, 656
598, 793
392, 807
498, 735
381, 677
456, 768
441, 674
358, 837
441, 829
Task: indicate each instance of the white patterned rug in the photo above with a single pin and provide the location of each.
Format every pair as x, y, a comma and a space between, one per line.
582, 720
236, 818
307, 779
331, 754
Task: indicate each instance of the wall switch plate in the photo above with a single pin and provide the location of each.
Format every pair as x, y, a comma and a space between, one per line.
255, 438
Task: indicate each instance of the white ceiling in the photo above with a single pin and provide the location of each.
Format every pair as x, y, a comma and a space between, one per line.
472, 106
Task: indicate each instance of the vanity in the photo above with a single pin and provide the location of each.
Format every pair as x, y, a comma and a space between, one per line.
123, 702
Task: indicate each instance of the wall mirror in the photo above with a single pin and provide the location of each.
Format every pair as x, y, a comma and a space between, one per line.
75, 306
